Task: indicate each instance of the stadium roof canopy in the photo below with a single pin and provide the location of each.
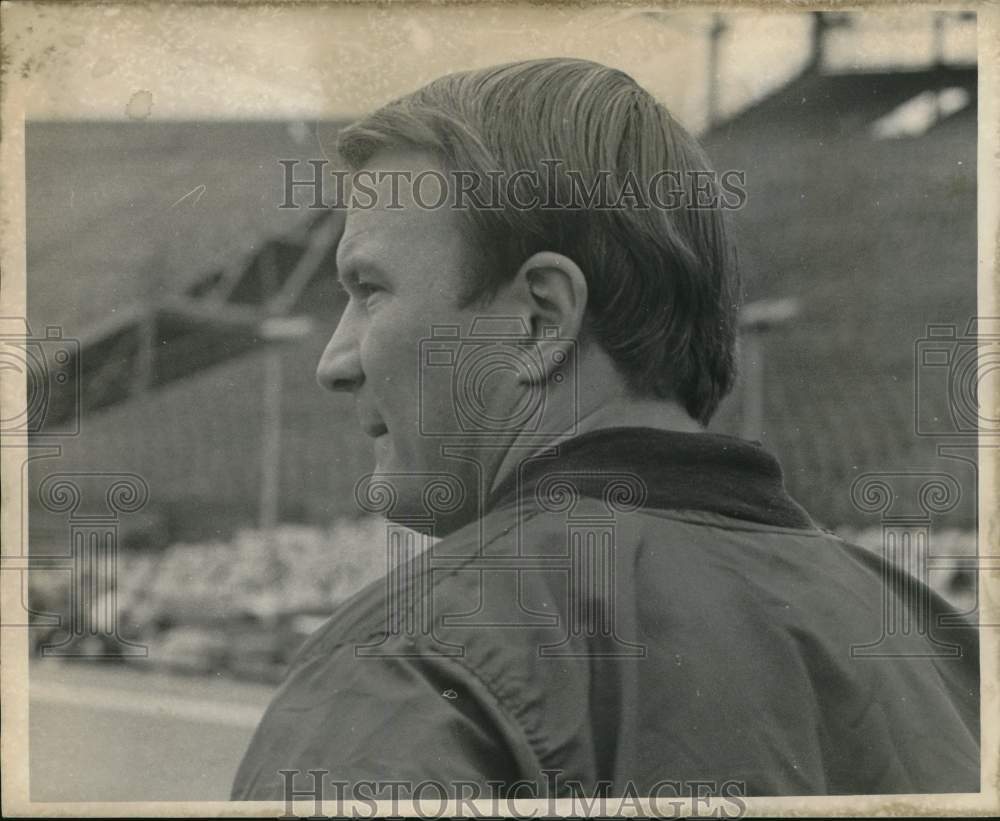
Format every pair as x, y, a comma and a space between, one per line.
207, 314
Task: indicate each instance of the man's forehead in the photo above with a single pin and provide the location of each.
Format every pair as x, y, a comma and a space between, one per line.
390, 177
364, 226
384, 211
370, 231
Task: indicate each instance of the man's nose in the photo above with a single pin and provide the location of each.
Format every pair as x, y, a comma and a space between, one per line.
339, 367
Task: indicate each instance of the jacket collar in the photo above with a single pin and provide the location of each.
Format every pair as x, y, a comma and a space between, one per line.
677, 471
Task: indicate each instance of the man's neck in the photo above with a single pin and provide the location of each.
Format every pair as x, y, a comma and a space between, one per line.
622, 412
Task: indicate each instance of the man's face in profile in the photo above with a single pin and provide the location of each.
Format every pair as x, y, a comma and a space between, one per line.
405, 270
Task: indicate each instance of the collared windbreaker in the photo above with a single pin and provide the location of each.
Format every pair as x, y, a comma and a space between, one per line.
637, 607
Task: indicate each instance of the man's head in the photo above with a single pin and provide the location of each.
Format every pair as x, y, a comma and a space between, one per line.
556, 228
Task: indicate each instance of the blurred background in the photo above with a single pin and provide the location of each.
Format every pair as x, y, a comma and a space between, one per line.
189, 312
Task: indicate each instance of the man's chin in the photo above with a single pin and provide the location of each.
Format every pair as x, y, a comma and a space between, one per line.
441, 500
412, 514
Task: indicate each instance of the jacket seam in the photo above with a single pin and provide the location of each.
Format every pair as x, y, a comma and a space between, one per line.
730, 522
509, 710
383, 631
507, 707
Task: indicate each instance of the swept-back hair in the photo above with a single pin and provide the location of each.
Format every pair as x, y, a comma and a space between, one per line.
663, 289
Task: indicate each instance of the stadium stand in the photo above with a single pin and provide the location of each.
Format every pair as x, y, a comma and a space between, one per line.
143, 243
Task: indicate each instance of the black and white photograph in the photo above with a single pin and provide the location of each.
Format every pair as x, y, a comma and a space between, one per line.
515, 410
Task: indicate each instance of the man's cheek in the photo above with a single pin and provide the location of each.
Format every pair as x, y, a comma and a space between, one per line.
393, 353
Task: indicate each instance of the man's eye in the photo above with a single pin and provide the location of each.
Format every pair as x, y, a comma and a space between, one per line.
366, 289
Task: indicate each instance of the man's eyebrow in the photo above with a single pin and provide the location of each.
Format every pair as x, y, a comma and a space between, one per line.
349, 267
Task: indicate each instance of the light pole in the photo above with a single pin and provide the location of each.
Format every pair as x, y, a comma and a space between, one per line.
273, 331
755, 319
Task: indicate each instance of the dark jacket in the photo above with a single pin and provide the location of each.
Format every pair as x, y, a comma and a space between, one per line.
638, 607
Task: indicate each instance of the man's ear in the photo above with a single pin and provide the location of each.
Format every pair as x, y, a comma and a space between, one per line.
552, 292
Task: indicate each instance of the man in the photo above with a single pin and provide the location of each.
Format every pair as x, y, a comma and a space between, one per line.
620, 598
